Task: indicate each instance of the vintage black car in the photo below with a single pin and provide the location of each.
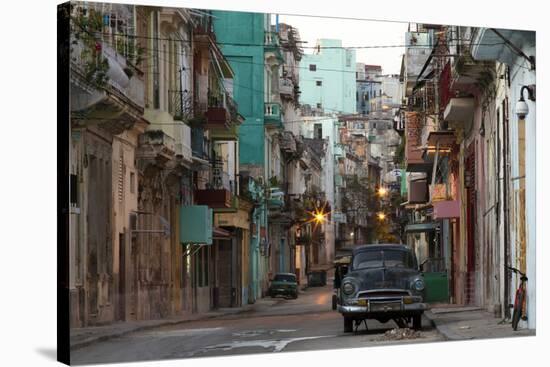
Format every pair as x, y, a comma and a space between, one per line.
284, 284
383, 283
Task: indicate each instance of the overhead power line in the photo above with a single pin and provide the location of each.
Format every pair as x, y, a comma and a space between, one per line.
271, 45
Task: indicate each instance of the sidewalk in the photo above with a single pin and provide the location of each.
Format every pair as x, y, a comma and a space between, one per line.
81, 337
464, 323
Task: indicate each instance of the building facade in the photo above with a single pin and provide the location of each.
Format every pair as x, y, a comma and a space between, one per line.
327, 77
471, 202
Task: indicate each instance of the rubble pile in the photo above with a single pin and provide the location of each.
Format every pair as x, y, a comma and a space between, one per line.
400, 334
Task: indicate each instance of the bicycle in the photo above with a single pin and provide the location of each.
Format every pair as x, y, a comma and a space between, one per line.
519, 302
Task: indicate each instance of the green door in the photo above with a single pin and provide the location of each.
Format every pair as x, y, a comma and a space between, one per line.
436, 279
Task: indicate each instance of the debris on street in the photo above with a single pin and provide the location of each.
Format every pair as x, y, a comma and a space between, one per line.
401, 333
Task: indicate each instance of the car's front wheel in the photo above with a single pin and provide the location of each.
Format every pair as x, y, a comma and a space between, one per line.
417, 322
348, 324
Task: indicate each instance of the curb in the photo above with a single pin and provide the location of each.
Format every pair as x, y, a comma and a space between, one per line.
93, 340
435, 325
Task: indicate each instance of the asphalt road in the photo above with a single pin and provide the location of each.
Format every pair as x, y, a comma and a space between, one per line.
278, 325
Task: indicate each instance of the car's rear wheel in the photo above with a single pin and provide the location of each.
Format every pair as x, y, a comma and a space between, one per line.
348, 324
417, 322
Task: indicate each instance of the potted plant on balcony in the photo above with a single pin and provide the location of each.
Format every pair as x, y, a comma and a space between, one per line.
88, 29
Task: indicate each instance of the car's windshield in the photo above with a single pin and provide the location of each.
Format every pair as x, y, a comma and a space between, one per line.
379, 257
284, 278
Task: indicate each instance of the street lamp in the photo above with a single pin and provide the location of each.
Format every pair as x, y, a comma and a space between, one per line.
381, 216
382, 191
319, 217
522, 109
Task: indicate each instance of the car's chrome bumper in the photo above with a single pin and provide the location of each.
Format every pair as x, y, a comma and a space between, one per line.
378, 307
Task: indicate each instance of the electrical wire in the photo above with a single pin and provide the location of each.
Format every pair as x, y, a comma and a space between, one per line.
278, 46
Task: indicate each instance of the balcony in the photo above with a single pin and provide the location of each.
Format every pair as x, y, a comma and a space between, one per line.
221, 194
288, 143
271, 40
156, 147
459, 111
214, 198
223, 118
413, 143
416, 56
217, 117
183, 142
180, 105
442, 141
272, 114
109, 93
286, 87
272, 46
276, 198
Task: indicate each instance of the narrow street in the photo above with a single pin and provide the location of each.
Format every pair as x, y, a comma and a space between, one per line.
216, 158
285, 325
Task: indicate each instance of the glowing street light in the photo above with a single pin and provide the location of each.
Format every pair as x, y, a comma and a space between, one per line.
381, 216
319, 217
382, 191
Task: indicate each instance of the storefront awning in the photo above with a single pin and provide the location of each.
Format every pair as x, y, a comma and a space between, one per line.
220, 234
421, 227
237, 220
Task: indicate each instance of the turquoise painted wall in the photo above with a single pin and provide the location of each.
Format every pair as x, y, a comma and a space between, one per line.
241, 39
336, 72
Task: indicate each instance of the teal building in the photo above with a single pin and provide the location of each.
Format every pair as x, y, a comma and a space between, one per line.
241, 37
327, 77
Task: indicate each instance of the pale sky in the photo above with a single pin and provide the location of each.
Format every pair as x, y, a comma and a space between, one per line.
355, 33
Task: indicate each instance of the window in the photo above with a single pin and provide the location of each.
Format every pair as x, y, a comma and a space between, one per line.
287, 278
132, 183
319, 105
379, 258
73, 188
312, 67
318, 131
318, 83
